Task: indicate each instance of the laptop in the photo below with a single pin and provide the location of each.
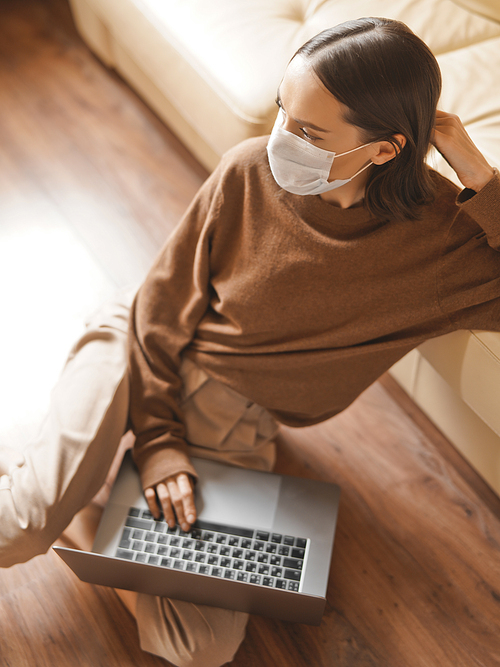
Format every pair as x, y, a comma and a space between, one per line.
262, 543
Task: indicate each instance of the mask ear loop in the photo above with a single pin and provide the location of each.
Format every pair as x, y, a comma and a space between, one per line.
354, 149
362, 169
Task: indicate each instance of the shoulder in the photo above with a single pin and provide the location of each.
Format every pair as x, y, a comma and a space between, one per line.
246, 160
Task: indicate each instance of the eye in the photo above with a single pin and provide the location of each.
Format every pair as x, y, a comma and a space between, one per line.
308, 136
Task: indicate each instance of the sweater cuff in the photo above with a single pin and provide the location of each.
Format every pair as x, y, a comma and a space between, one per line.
484, 207
162, 462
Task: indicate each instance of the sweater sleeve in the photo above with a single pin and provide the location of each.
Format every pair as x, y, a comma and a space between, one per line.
164, 317
484, 208
469, 270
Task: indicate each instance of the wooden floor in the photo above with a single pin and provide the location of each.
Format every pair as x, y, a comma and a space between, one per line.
91, 183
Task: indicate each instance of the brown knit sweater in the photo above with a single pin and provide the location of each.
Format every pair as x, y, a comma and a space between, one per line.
297, 304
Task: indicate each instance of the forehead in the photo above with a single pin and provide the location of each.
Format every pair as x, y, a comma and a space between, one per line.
305, 97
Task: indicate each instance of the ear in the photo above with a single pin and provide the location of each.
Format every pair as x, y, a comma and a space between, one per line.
385, 150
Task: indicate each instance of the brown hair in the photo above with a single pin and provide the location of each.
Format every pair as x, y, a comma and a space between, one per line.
390, 82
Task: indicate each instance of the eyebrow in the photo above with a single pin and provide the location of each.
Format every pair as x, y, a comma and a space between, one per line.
297, 120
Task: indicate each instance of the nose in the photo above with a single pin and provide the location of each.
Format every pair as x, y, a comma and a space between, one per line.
285, 123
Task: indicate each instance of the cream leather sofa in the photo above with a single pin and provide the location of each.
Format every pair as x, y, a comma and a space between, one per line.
211, 70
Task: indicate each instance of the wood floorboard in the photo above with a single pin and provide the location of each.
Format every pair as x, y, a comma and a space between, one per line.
91, 184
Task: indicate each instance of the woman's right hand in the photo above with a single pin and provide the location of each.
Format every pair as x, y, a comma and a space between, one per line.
175, 497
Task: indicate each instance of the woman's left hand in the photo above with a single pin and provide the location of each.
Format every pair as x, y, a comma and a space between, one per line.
458, 149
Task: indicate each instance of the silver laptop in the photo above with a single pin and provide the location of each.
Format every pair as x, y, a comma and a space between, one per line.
262, 543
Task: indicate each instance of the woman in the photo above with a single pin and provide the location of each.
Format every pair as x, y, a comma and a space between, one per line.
308, 264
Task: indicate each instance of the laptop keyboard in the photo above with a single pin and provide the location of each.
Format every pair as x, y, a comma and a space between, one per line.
229, 552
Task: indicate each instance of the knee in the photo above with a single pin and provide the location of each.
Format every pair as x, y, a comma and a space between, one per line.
189, 635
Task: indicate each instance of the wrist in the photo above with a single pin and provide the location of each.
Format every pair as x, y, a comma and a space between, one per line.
483, 179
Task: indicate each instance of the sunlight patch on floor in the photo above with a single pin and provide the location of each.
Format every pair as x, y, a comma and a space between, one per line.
50, 284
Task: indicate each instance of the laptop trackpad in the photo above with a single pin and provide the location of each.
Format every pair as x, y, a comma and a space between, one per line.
226, 494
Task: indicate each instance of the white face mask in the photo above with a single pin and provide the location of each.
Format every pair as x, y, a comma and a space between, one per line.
301, 168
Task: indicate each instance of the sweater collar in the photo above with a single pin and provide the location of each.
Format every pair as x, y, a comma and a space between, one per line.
315, 211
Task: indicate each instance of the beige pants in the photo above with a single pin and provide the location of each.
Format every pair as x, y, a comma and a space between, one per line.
42, 488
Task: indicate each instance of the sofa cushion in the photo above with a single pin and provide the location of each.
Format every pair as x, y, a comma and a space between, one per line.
488, 8
471, 90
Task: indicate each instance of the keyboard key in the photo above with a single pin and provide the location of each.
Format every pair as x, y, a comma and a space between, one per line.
196, 534
267, 581
191, 567
275, 560
234, 541
262, 535
179, 564
150, 548
124, 553
138, 534
125, 544
293, 585
255, 579
188, 543
250, 555
238, 565
263, 558
221, 539
138, 546
132, 522
229, 574
141, 558
200, 557
237, 553
276, 537
150, 537
292, 562
162, 539
298, 553
276, 572
175, 541
242, 576
288, 540
251, 567
153, 560
281, 583
264, 569
271, 548
187, 554
162, 550
213, 560
225, 551
225, 562
166, 562
199, 545
292, 574
204, 569
212, 548
208, 537
134, 511
300, 542
175, 552
159, 527
216, 572
258, 546
222, 528
146, 514
283, 550
246, 543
